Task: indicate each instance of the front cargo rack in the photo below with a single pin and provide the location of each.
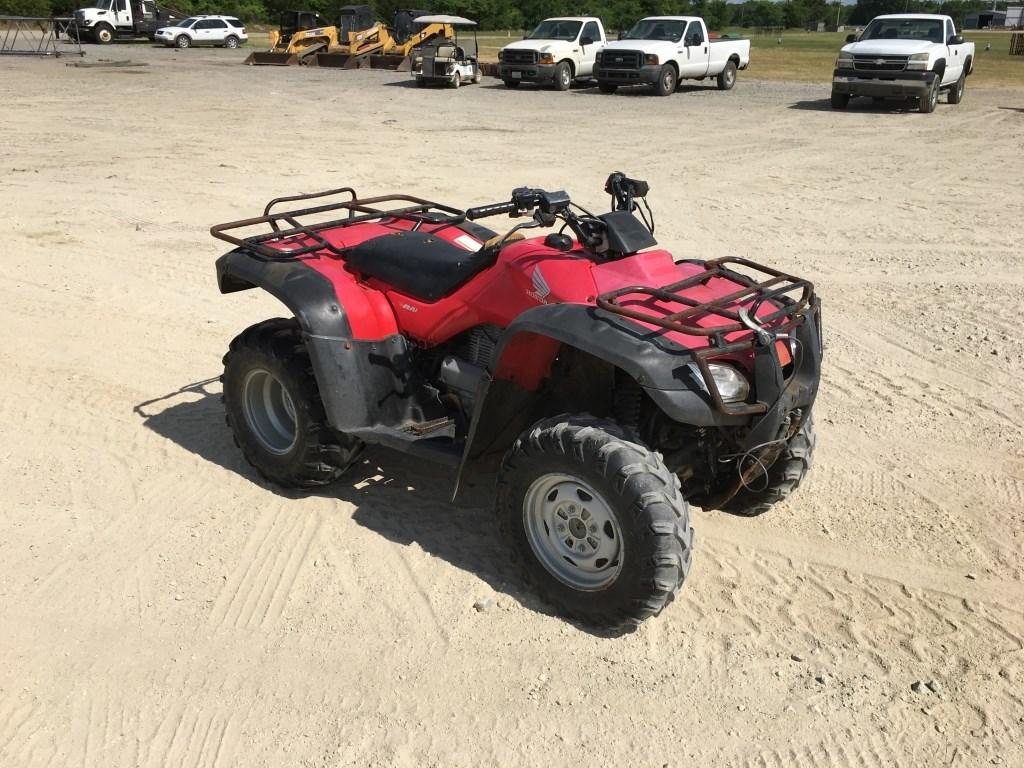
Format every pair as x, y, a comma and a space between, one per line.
792, 297
289, 233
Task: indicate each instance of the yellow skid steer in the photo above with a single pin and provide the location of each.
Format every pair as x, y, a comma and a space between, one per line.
302, 34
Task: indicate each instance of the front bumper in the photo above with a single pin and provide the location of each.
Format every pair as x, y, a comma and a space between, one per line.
646, 75
906, 84
528, 73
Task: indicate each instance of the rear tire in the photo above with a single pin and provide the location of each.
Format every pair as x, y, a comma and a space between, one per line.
784, 476
840, 100
727, 77
584, 481
563, 76
231, 41
668, 80
607, 87
956, 93
273, 408
183, 41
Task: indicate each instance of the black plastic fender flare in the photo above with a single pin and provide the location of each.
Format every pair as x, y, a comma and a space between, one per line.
309, 295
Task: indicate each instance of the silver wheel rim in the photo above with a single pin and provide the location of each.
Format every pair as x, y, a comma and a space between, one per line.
573, 532
182, 42
933, 97
232, 43
669, 81
105, 35
269, 411
566, 78
730, 75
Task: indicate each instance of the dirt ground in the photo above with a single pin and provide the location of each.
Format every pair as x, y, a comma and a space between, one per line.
161, 606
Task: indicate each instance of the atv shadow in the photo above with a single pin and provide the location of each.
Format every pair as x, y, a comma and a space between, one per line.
404, 499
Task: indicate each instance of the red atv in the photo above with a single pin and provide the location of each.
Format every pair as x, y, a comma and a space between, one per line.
614, 384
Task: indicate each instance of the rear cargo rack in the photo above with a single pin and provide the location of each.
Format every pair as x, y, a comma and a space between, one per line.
290, 235
792, 295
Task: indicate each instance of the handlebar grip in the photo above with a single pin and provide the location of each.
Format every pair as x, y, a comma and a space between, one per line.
491, 210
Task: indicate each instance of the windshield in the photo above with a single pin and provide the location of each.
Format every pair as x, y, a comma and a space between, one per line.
187, 22
556, 29
904, 29
656, 29
103, 5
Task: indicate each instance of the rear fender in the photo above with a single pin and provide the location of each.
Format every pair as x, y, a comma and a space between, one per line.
363, 382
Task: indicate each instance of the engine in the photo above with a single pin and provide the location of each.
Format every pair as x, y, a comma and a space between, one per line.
468, 358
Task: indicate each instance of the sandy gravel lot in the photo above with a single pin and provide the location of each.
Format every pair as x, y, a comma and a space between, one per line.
160, 606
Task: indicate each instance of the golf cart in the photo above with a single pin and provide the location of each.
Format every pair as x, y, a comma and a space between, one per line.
445, 61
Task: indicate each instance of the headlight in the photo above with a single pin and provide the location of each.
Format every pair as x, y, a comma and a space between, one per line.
845, 61
917, 61
650, 58
732, 385
597, 56
547, 58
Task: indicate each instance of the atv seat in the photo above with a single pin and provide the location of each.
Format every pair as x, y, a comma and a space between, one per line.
418, 264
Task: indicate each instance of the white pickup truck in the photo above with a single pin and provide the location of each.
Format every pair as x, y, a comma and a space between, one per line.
558, 51
662, 50
906, 55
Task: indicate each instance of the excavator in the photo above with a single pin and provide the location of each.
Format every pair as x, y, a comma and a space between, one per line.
357, 41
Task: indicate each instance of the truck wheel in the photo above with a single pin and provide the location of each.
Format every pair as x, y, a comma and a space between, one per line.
607, 87
784, 476
668, 79
840, 100
595, 519
511, 83
183, 41
956, 93
727, 77
103, 34
563, 76
274, 410
231, 41
930, 99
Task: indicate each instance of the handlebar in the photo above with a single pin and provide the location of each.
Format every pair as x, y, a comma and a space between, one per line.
491, 210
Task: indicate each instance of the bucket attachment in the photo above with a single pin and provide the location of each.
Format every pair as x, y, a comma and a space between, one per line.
271, 59
392, 61
339, 61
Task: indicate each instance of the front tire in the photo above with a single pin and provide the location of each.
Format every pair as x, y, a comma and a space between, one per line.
956, 93
182, 41
929, 100
727, 77
595, 519
840, 100
563, 76
668, 79
103, 34
784, 476
274, 410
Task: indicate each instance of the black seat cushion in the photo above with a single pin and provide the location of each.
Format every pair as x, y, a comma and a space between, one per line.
417, 264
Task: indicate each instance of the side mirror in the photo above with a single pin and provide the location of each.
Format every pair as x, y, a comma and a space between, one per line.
956, 40
851, 38
586, 40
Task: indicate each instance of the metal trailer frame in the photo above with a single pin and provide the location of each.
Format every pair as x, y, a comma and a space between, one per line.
38, 36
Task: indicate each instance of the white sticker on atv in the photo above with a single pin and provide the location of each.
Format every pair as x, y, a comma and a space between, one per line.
541, 289
467, 242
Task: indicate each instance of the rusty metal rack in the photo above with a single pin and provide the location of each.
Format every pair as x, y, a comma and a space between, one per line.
356, 210
793, 297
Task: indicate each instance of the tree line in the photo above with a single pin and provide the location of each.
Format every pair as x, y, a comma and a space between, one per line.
616, 14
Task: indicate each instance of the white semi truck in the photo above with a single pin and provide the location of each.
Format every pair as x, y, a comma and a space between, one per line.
107, 20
